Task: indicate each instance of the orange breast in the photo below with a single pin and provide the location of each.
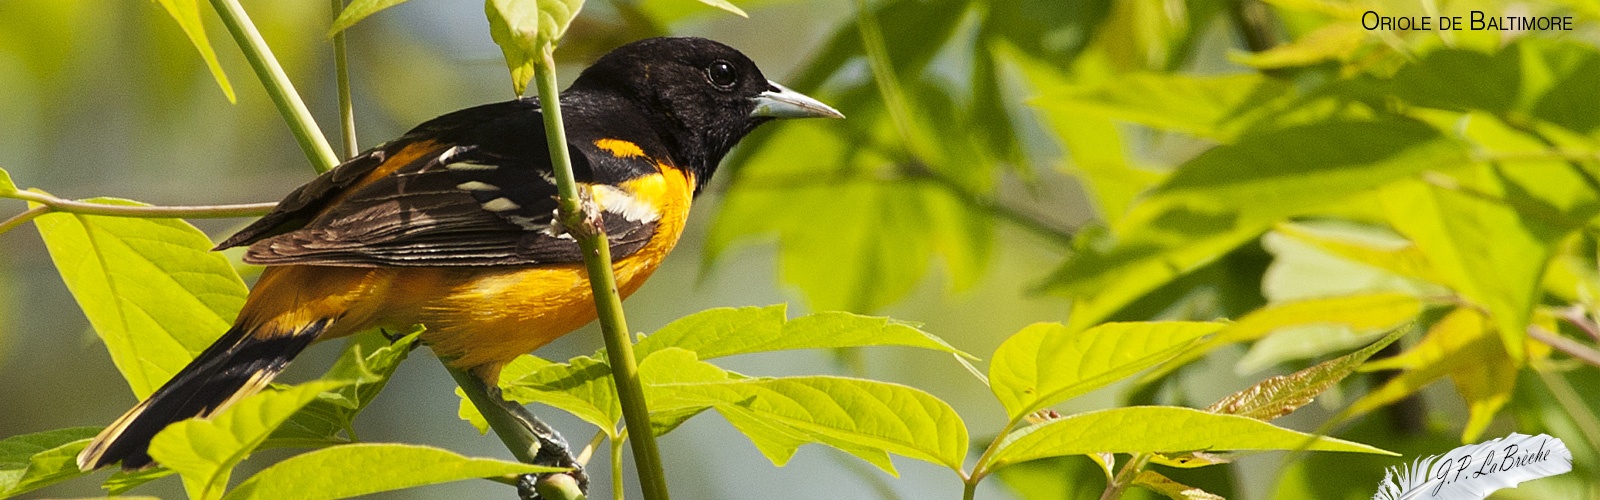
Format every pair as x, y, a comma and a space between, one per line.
482, 318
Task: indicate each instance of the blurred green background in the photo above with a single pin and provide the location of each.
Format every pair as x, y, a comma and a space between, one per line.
110, 99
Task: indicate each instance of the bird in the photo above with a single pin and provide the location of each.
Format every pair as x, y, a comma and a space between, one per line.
454, 226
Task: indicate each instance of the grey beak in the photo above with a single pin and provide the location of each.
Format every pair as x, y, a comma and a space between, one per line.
785, 103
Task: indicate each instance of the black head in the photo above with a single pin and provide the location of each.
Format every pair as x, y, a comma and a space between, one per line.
700, 95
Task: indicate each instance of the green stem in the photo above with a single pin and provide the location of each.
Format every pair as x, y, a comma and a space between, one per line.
174, 212
583, 221
294, 111
990, 206
23, 218
560, 487
616, 470
981, 468
347, 113
970, 491
1570, 401
883, 74
1125, 476
517, 436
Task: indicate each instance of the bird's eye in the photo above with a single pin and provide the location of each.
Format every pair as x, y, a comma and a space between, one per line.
721, 74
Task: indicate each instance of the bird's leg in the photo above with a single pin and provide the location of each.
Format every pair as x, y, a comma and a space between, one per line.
529, 439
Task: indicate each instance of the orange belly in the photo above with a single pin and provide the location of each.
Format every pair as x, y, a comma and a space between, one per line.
478, 318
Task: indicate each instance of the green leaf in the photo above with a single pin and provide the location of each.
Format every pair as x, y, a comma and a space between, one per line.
1061, 478
187, 14
1047, 363
1158, 483
1158, 429
204, 452
151, 288
727, 6
1462, 345
1547, 79
722, 332
1232, 193
321, 421
525, 29
857, 416
851, 239
1332, 42
1405, 260
1377, 311
465, 410
1215, 107
1283, 394
32, 461
582, 386
124, 481
6, 186
357, 10
366, 468
1447, 226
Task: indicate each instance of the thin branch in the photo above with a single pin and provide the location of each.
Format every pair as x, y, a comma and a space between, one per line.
1545, 155
1570, 347
582, 219
278, 86
900, 114
1579, 318
989, 205
588, 450
347, 114
148, 212
1570, 401
1125, 476
894, 98
23, 218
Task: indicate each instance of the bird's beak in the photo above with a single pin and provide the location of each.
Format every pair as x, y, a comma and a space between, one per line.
780, 102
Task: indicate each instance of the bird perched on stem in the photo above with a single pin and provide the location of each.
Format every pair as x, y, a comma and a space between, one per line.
453, 226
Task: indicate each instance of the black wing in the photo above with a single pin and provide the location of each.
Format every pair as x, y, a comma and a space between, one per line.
471, 188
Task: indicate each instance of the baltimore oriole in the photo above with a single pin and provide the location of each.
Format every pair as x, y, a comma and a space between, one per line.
452, 226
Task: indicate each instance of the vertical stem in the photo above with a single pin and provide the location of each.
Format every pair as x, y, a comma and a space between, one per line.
585, 228
1125, 476
883, 74
341, 66
616, 470
277, 83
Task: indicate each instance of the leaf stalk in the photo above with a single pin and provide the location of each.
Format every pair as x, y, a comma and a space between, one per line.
278, 86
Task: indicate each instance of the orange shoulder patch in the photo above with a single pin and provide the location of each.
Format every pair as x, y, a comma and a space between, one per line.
620, 148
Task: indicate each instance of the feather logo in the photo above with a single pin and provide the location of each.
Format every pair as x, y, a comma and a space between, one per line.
1474, 471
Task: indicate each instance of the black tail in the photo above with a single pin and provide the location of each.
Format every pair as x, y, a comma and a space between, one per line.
238, 365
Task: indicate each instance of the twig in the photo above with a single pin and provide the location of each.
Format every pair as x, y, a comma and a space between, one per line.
1579, 318
1570, 347
150, 212
994, 208
23, 218
278, 86
583, 222
1125, 476
347, 114
588, 450
1570, 401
